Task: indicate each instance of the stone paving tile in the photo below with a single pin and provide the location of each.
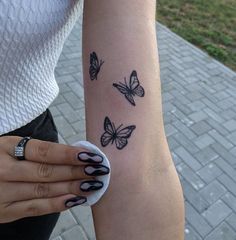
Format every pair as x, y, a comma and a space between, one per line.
230, 200
64, 127
190, 176
188, 158
228, 114
75, 232
73, 100
204, 140
232, 137
213, 191
201, 127
57, 238
186, 143
221, 139
231, 220
172, 143
183, 127
83, 217
68, 112
228, 182
198, 116
197, 221
209, 172
226, 155
65, 222
222, 232
216, 213
206, 155
233, 151
192, 196
227, 168
190, 234
199, 112
215, 125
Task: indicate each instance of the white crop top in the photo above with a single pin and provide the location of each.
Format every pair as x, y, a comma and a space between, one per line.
32, 34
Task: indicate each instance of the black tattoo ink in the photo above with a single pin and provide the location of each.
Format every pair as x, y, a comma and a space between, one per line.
95, 66
117, 135
133, 89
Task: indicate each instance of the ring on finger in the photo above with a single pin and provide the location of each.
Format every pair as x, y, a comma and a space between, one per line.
20, 148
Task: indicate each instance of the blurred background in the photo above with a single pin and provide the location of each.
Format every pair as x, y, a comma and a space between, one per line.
208, 24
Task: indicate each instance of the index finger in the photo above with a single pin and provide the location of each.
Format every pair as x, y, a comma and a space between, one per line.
53, 153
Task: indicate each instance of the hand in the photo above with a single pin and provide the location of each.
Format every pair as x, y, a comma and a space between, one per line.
51, 179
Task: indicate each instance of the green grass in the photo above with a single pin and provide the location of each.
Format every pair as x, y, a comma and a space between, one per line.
208, 24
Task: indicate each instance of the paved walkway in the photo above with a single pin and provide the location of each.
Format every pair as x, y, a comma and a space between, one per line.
199, 96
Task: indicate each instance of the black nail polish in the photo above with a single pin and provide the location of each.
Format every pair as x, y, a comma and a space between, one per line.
91, 185
96, 170
90, 157
75, 201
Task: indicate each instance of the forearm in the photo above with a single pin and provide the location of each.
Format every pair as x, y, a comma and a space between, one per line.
122, 33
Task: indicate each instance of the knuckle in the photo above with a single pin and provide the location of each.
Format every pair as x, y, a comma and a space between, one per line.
74, 172
5, 174
32, 210
45, 170
7, 167
69, 154
41, 190
43, 149
72, 187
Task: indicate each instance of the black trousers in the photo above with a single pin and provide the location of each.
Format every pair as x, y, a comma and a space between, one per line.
40, 227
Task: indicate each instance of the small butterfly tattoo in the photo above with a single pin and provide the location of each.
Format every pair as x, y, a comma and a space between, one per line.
134, 88
95, 66
118, 135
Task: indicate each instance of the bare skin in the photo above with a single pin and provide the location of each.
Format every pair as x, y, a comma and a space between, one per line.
41, 184
144, 199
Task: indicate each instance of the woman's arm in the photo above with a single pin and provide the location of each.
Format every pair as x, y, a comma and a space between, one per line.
122, 86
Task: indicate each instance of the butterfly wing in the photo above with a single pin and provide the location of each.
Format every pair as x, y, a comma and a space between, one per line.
125, 90
94, 59
107, 136
121, 142
130, 98
122, 136
139, 91
133, 81
94, 66
135, 86
121, 87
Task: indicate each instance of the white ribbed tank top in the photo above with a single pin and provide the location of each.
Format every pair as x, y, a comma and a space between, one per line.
32, 34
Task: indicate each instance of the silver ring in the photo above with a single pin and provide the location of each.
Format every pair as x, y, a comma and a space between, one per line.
20, 148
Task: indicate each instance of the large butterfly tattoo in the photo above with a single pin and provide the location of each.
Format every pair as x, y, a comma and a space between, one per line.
118, 135
134, 88
95, 66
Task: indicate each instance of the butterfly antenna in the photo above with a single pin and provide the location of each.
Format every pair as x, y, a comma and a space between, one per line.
119, 127
128, 86
114, 126
125, 81
101, 62
122, 84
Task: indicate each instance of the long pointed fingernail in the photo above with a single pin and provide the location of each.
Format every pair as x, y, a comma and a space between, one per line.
75, 201
91, 185
96, 170
90, 157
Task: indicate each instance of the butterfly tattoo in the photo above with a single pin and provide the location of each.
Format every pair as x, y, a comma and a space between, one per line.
118, 135
131, 89
95, 66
